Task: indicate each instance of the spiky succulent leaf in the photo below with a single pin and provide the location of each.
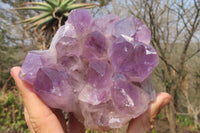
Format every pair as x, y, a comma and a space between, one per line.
53, 3
52, 9
40, 23
38, 3
64, 4
81, 5
45, 22
37, 8
36, 18
71, 2
59, 2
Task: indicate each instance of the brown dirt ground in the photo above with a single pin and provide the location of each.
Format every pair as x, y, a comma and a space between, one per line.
162, 126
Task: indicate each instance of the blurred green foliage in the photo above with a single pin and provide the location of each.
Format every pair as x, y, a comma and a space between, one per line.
11, 112
153, 131
184, 120
11, 106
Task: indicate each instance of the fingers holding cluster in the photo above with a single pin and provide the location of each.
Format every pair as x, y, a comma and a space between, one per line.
39, 117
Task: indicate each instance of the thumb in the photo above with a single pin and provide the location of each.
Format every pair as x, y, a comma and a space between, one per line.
41, 117
143, 124
161, 101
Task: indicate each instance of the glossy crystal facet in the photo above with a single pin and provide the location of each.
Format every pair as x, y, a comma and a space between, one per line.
99, 69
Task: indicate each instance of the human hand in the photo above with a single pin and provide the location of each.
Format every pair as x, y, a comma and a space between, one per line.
145, 122
42, 119
39, 117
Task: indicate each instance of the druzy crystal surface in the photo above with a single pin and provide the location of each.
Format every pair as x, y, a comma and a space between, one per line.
99, 69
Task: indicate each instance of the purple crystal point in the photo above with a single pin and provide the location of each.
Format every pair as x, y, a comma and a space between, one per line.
99, 69
56, 89
33, 62
95, 45
133, 100
134, 60
80, 19
142, 34
94, 96
123, 28
99, 74
106, 23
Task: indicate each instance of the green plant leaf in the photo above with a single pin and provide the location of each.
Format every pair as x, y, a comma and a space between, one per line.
64, 3
66, 14
82, 5
59, 2
40, 23
36, 18
38, 3
53, 3
72, 2
37, 8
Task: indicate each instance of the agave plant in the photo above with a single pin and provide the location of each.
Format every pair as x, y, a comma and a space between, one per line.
53, 14
51, 11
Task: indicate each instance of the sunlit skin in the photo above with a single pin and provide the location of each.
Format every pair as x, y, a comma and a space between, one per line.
42, 119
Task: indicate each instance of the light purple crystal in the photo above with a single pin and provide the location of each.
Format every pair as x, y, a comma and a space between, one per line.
99, 69
134, 60
99, 74
133, 100
60, 90
34, 61
80, 19
95, 46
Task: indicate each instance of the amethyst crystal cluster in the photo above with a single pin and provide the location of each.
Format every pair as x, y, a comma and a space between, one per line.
96, 68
